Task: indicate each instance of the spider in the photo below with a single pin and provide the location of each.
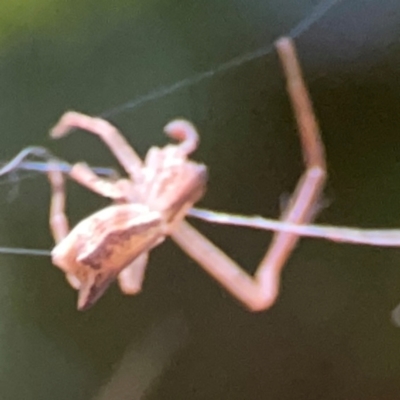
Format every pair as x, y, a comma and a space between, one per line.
152, 202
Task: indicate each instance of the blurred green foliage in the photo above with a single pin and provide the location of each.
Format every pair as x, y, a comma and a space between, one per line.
330, 335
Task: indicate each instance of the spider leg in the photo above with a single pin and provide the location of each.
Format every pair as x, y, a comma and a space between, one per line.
130, 279
260, 292
85, 176
110, 135
58, 220
185, 132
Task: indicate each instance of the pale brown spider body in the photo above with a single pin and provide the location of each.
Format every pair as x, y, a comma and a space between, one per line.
147, 209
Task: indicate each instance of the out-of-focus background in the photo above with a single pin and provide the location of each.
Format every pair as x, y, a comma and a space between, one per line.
330, 335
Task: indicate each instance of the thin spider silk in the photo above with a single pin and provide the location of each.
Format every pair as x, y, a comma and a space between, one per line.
315, 15
21, 162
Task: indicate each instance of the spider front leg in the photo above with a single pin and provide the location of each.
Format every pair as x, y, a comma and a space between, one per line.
107, 132
58, 220
260, 292
117, 190
181, 130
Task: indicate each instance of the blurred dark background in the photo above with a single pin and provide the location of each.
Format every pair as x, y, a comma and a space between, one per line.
330, 335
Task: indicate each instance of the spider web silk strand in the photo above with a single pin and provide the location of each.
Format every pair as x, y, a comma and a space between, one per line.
20, 251
316, 14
